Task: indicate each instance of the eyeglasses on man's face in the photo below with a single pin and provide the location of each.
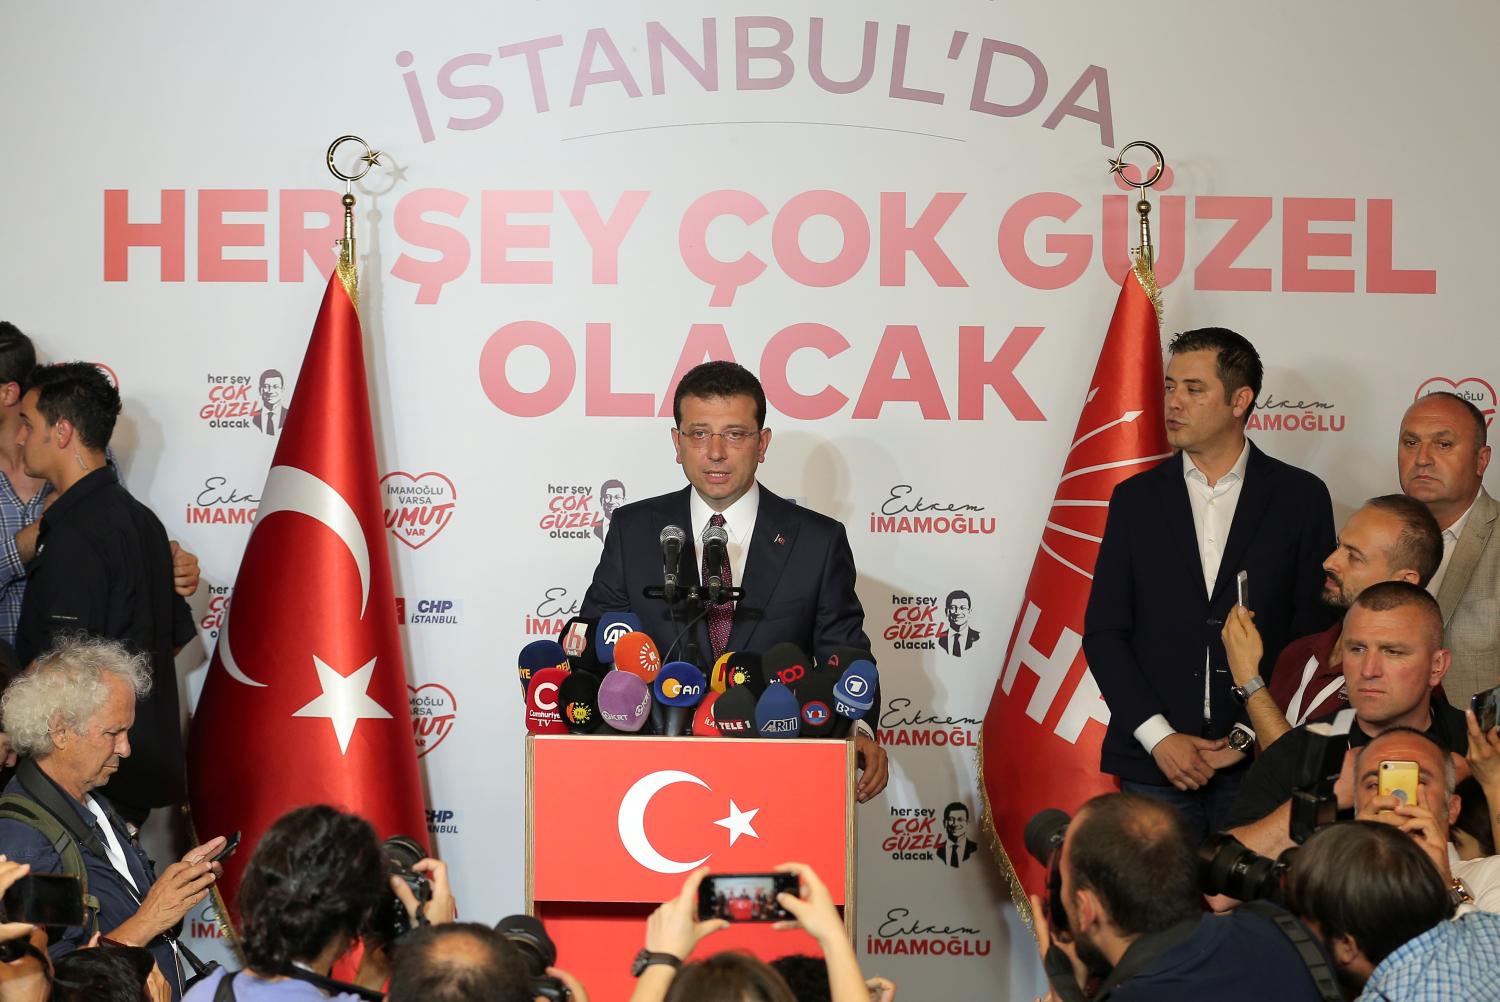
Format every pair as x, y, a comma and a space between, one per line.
734, 437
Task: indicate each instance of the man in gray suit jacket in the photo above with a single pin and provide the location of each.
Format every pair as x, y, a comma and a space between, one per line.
1441, 458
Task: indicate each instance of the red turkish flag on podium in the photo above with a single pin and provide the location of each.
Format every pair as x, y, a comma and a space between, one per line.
305, 701
1040, 742
615, 824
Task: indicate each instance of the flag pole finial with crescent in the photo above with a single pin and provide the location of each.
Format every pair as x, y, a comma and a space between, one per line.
370, 158
1143, 256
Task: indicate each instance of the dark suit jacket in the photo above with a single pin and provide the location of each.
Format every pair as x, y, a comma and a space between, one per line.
799, 579
1149, 619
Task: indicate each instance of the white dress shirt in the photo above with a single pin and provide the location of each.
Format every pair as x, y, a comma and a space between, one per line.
1213, 514
1481, 878
739, 523
1450, 540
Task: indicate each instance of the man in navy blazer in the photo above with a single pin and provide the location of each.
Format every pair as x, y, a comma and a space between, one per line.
1176, 538
795, 565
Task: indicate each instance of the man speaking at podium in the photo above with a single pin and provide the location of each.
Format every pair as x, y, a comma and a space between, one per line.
794, 565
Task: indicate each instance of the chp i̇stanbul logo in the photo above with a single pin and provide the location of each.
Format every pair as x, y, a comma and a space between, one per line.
254, 401
428, 611
580, 511
905, 510
433, 714
934, 622
417, 506
1476, 390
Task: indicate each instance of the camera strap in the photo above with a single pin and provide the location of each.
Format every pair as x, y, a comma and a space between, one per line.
1306, 945
225, 991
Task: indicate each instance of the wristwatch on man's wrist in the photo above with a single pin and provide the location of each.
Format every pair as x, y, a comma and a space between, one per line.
1242, 693
1242, 739
646, 958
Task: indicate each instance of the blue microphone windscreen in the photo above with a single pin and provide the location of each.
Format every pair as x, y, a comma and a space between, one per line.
777, 713
679, 684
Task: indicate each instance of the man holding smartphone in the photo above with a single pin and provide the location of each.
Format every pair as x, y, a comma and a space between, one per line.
69, 715
1390, 538
1393, 661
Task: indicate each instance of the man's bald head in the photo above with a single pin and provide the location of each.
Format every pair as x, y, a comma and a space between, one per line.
457, 962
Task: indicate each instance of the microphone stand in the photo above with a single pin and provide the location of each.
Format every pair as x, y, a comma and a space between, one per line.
694, 595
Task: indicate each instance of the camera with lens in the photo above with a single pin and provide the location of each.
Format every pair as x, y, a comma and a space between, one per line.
1044, 838
391, 920
1314, 804
538, 953
1227, 866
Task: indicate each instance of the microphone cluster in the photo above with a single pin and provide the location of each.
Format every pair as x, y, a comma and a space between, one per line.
606, 676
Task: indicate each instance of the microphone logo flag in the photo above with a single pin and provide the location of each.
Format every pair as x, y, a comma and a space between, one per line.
1039, 746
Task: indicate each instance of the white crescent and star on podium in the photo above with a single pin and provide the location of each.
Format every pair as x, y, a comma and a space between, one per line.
632, 821
345, 699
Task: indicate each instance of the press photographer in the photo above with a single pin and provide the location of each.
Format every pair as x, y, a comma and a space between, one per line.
316, 882
1128, 911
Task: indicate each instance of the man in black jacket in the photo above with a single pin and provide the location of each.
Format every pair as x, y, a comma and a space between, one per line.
103, 568
794, 564
1176, 538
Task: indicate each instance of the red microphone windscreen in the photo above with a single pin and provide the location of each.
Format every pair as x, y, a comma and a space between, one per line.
704, 725
543, 715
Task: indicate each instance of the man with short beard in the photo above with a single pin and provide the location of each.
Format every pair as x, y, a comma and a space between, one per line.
1387, 918
1135, 918
1391, 538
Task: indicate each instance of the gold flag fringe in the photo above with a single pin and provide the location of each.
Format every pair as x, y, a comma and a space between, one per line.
997, 848
1147, 278
349, 275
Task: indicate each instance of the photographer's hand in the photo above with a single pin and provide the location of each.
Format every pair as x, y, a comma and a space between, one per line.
442, 907
575, 988
1417, 821
1484, 763
674, 929
9, 874
815, 912
1045, 943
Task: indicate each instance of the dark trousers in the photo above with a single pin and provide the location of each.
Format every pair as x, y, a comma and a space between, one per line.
1205, 809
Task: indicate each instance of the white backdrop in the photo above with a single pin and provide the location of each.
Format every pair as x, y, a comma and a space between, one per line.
863, 202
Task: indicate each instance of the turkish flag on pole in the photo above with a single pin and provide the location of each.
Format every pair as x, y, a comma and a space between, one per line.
305, 700
1040, 743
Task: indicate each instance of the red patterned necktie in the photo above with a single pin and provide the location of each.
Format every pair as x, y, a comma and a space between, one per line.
720, 614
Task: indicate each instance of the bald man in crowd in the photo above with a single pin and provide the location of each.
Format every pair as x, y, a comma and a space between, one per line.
1441, 457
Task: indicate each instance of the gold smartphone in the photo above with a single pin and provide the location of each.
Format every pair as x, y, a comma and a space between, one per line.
1398, 778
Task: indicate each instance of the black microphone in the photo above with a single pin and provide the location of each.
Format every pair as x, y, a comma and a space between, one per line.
672, 538
715, 548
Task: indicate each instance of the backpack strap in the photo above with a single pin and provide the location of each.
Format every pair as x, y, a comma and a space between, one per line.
225, 991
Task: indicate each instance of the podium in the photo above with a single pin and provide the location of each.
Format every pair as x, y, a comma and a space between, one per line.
614, 823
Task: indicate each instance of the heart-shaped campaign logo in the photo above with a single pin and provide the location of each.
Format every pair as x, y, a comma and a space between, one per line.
1473, 389
418, 507
433, 713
